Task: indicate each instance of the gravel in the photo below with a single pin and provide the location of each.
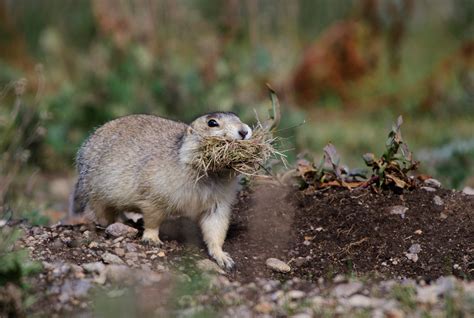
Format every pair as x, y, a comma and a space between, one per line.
173, 284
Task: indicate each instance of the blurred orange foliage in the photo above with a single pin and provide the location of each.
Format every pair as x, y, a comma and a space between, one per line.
341, 55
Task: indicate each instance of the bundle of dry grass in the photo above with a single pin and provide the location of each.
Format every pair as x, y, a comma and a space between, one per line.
244, 156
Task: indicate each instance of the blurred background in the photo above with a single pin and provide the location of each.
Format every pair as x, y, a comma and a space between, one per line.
344, 70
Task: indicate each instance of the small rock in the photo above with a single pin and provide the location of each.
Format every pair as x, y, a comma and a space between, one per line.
418, 232
263, 308
394, 313
399, 210
120, 229
119, 273
206, 265
437, 200
61, 270
415, 249
428, 189
93, 245
277, 265
296, 294
346, 290
119, 251
412, 257
110, 258
339, 278
302, 315
118, 240
96, 267
427, 294
74, 289
432, 183
468, 191
359, 301
131, 247
161, 254
131, 256
57, 244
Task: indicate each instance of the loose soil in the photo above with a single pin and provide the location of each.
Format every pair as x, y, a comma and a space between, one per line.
324, 233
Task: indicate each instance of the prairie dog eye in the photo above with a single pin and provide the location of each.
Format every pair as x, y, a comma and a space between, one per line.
213, 123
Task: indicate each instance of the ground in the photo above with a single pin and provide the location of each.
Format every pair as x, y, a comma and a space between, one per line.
350, 252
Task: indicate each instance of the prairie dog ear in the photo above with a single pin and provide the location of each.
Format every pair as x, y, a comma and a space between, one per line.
189, 130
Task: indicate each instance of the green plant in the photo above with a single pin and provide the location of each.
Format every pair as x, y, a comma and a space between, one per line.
405, 295
14, 264
15, 267
22, 122
329, 171
395, 163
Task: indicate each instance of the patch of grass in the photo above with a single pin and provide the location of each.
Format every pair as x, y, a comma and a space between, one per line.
14, 264
405, 295
35, 218
15, 268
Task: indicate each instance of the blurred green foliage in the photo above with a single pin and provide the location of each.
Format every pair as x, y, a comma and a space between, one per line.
104, 59
14, 264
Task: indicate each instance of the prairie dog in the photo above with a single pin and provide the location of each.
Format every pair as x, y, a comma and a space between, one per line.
142, 162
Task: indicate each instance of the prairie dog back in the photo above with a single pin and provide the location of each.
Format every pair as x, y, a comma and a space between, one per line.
141, 162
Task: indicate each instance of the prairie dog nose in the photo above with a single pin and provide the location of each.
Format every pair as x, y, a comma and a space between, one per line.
243, 133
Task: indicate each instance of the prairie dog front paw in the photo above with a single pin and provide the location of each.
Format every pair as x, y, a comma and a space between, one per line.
150, 236
223, 259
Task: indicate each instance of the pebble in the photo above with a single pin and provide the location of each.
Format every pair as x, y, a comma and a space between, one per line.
296, 294
360, 301
302, 315
415, 249
398, 210
437, 200
428, 189
346, 290
394, 313
131, 256
110, 258
468, 191
119, 251
432, 183
277, 265
96, 267
116, 273
120, 229
131, 247
93, 245
264, 308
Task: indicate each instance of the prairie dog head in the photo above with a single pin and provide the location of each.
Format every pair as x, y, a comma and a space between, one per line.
220, 124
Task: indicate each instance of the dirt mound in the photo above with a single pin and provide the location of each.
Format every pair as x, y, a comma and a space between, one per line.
379, 237
417, 234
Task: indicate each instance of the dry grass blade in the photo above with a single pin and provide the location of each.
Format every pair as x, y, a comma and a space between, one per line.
243, 156
247, 157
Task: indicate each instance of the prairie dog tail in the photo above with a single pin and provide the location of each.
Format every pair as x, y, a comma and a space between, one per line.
78, 199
